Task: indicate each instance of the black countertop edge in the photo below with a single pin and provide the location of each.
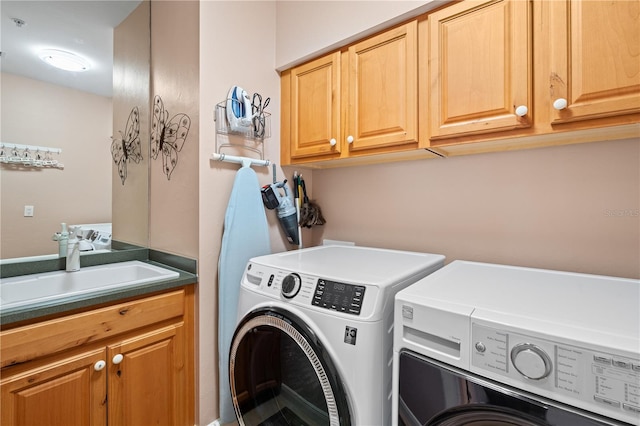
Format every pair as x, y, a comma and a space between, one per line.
36, 310
182, 263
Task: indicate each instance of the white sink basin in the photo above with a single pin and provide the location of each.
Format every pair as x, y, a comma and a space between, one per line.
25, 289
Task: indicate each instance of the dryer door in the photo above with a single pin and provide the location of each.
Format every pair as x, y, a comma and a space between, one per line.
279, 373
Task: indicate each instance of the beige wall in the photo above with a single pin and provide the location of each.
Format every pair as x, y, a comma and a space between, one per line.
573, 208
187, 212
245, 59
305, 29
131, 55
38, 113
174, 62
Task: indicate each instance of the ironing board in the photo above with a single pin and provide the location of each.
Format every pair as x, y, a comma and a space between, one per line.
245, 235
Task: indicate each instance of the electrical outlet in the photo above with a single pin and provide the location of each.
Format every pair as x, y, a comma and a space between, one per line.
28, 211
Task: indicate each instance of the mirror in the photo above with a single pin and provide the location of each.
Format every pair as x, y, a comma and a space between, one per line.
76, 112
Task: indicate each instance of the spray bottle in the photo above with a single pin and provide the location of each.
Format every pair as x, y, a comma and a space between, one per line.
73, 251
286, 211
62, 238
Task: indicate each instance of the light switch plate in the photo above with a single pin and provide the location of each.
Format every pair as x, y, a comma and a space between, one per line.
28, 211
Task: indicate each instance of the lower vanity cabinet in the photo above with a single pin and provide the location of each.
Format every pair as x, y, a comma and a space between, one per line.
114, 372
146, 379
58, 392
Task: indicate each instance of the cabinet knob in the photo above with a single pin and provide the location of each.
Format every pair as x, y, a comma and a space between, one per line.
560, 103
349, 139
522, 110
333, 142
99, 365
117, 359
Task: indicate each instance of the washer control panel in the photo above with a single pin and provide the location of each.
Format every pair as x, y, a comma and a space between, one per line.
309, 290
596, 381
339, 296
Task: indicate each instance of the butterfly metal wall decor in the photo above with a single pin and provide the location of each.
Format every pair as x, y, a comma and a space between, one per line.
127, 148
167, 136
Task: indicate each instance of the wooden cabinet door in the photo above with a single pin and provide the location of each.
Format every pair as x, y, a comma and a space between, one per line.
147, 385
479, 67
595, 58
65, 392
315, 107
383, 90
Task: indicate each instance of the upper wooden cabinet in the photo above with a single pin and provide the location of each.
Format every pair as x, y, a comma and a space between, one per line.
383, 90
595, 59
360, 100
314, 107
479, 68
491, 75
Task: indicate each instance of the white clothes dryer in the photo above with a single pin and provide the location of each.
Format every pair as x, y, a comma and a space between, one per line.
483, 344
313, 343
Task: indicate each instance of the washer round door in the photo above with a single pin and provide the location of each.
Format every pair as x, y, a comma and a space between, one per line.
432, 393
280, 374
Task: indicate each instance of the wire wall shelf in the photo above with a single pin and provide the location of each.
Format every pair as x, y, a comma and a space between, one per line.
250, 137
260, 128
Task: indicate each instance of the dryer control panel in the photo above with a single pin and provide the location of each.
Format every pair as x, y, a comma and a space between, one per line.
605, 383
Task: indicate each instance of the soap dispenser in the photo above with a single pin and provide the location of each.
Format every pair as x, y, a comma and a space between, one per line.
73, 253
62, 238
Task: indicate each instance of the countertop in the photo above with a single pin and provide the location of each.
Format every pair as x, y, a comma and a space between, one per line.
187, 268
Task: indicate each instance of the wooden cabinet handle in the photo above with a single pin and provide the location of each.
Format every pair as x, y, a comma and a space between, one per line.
350, 139
117, 359
99, 365
333, 142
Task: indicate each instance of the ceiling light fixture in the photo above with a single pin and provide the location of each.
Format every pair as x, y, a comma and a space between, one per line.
64, 60
19, 22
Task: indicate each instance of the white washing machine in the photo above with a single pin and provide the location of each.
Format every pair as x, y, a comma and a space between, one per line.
482, 344
314, 339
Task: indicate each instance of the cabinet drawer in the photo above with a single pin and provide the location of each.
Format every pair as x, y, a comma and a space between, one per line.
49, 337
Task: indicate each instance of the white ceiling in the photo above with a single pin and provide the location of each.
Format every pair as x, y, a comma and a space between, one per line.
82, 27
